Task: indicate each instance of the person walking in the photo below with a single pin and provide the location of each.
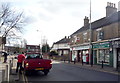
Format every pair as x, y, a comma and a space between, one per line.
20, 58
5, 54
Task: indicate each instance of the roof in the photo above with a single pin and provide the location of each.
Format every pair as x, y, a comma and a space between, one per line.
64, 40
101, 22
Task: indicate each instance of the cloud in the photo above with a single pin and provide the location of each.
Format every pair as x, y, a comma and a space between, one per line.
57, 18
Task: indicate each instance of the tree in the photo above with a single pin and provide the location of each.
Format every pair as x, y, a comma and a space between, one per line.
45, 48
10, 21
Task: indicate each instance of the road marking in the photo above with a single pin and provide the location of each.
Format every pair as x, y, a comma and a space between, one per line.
24, 78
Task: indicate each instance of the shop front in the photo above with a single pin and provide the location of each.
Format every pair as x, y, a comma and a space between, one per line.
116, 53
102, 52
80, 53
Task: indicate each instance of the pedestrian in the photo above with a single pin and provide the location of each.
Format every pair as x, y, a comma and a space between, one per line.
20, 58
5, 54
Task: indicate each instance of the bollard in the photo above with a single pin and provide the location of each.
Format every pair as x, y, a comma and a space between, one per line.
68, 61
64, 60
74, 61
7, 73
10, 66
102, 64
12, 62
82, 61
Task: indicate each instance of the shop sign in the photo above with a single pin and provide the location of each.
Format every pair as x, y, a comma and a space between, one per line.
80, 47
101, 45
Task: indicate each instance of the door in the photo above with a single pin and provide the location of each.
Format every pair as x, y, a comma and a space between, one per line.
118, 58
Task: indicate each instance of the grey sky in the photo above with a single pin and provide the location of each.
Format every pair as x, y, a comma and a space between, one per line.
57, 18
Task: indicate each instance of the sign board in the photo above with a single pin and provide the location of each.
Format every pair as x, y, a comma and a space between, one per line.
80, 47
101, 45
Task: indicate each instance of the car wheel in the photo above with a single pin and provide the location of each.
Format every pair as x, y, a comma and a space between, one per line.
46, 72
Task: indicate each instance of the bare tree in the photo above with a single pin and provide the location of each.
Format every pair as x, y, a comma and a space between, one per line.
10, 20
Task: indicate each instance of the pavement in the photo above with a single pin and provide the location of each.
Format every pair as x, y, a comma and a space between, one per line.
5, 69
107, 69
2, 69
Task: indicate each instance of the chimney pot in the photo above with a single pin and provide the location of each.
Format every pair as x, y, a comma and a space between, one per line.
86, 21
110, 9
110, 4
107, 3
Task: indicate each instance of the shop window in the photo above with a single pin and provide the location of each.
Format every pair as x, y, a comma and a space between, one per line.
103, 56
65, 51
85, 56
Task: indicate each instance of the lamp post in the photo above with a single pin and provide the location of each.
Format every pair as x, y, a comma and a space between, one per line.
90, 44
39, 44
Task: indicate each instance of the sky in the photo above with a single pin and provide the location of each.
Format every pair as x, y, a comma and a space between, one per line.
52, 20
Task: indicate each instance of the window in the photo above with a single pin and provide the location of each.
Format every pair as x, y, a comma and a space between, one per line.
100, 35
85, 35
76, 39
65, 52
103, 56
60, 52
32, 56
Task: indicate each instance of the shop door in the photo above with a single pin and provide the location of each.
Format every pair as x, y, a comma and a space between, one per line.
95, 56
118, 58
79, 55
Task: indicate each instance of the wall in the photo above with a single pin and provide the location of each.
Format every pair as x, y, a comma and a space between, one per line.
81, 38
110, 32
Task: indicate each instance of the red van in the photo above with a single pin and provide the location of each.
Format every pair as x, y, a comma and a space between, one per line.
34, 60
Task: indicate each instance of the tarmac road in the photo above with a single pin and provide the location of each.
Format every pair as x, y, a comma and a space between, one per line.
69, 72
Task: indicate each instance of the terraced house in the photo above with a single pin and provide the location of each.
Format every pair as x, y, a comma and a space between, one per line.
105, 38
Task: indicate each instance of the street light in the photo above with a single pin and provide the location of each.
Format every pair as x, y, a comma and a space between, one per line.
41, 43
90, 44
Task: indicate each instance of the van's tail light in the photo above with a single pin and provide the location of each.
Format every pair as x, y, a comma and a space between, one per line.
26, 65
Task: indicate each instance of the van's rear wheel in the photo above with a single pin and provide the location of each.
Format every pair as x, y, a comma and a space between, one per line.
46, 72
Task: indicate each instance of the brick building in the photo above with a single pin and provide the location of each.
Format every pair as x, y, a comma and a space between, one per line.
105, 39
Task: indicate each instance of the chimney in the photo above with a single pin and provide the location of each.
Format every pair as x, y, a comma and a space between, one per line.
110, 9
65, 37
86, 21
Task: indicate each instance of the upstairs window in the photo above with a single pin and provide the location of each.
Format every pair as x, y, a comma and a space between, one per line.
100, 34
85, 36
76, 39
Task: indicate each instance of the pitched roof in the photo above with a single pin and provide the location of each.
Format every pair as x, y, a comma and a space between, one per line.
64, 40
101, 22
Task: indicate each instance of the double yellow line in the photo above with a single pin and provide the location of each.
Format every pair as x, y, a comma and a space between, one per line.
24, 78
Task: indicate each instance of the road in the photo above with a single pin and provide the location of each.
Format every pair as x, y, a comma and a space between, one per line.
69, 72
